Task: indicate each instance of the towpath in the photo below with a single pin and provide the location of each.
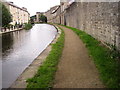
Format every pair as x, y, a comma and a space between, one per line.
76, 69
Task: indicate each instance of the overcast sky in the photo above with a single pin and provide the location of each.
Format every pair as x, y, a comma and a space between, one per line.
34, 6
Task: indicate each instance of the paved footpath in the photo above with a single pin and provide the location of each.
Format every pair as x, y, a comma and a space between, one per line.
76, 69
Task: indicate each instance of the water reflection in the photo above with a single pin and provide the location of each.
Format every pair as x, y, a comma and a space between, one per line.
7, 42
21, 48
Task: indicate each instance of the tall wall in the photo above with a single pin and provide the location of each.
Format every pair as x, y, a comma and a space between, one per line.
101, 20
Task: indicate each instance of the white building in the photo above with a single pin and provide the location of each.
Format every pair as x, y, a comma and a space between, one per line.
19, 15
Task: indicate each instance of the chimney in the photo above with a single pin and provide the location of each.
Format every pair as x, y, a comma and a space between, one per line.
11, 2
24, 8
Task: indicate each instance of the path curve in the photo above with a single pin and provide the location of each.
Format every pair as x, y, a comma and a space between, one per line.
76, 69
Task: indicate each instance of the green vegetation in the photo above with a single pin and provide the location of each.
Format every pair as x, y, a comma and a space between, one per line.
6, 16
45, 74
105, 59
28, 26
43, 18
32, 19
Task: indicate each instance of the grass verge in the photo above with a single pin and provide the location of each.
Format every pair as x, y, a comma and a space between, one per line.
45, 74
106, 60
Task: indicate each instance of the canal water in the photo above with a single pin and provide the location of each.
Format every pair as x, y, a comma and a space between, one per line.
20, 48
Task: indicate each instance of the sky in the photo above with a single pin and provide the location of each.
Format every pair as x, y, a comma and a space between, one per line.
34, 6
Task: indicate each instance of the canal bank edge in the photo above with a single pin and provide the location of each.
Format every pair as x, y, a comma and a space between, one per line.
11, 31
31, 70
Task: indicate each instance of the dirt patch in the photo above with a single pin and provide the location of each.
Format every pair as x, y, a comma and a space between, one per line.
76, 69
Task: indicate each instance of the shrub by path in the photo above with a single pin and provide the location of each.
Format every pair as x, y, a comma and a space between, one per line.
76, 69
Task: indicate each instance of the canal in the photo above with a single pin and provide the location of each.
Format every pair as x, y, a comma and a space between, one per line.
20, 48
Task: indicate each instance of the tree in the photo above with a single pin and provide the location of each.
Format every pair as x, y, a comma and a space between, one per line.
43, 18
32, 19
6, 16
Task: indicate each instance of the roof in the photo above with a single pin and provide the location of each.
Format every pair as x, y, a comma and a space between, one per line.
55, 9
10, 3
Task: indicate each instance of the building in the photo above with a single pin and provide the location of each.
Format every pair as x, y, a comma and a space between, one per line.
19, 15
52, 13
38, 14
56, 14
64, 6
48, 15
100, 20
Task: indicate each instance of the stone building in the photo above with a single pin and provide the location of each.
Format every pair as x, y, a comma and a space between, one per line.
38, 14
52, 13
99, 19
64, 5
19, 15
48, 15
56, 15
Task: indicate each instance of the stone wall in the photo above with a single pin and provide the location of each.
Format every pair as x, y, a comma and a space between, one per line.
99, 19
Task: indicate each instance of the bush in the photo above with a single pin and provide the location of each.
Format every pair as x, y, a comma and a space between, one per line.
28, 26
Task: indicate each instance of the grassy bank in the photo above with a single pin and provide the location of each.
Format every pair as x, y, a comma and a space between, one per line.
45, 74
105, 59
